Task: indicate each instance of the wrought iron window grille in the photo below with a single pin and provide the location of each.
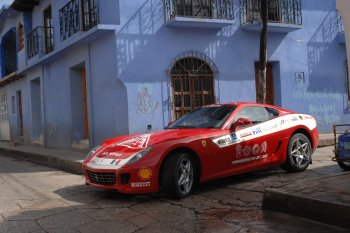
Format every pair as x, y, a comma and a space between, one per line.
208, 9
77, 15
90, 14
40, 41
192, 82
279, 11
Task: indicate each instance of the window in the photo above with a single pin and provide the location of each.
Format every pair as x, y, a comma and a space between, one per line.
20, 37
192, 85
273, 11
48, 30
193, 8
8, 54
77, 15
273, 112
90, 14
286, 11
208, 9
256, 114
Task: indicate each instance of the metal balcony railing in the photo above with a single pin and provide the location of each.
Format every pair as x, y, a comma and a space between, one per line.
40, 41
279, 11
90, 14
71, 20
208, 9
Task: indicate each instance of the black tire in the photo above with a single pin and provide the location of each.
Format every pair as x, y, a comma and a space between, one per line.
344, 165
175, 165
298, 153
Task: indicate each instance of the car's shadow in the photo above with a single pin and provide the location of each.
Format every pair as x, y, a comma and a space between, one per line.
89, 195
255, 181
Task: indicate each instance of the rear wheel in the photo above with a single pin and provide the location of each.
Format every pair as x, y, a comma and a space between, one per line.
177, 176
298, 154
344, 165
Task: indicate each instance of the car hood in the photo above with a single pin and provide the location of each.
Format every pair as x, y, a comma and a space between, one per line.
122, 148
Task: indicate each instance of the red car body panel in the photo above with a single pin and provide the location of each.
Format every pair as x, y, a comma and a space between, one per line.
221, 152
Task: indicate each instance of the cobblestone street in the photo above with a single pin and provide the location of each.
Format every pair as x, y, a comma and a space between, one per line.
35, 198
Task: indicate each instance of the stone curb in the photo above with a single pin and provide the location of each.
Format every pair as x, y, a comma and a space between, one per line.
322, 211
326, 142
51, 161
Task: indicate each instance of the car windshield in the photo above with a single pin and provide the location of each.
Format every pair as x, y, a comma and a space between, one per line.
213, 116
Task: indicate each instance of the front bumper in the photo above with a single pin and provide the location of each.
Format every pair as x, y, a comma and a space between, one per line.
131, 180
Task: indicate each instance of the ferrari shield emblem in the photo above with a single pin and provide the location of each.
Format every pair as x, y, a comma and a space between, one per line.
204, 143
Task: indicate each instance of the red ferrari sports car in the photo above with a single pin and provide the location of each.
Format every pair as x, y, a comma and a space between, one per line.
211, 142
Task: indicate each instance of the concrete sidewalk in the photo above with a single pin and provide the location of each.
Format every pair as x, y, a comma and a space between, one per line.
325, 198
69, 161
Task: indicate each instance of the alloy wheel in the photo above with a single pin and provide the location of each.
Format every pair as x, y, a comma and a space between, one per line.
300, 152
185, 180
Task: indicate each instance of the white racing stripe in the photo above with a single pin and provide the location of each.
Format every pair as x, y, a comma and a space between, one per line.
263, 129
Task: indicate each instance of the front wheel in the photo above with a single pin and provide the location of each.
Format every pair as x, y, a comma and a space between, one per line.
178, 175
298, 154
344, 165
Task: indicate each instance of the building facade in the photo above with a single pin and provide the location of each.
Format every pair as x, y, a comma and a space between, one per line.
76, 72
343, 7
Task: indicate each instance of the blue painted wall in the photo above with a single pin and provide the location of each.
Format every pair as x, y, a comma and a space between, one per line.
146, 48
132, 63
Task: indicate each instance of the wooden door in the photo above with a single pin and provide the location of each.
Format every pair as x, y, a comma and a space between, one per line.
270, 97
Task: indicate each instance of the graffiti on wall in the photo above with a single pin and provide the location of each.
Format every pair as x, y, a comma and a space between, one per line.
145, 102
325, 114
322, 105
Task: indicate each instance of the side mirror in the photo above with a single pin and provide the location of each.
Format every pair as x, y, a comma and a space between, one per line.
170, 122
241, 122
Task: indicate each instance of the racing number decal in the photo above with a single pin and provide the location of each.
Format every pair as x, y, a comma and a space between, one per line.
250, 153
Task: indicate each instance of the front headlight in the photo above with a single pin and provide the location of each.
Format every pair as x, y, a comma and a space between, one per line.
92, 151
136, 157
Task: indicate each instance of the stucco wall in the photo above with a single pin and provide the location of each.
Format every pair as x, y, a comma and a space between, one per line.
146, 48
343, 7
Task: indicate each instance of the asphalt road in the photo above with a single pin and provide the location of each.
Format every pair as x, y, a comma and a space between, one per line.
35, 198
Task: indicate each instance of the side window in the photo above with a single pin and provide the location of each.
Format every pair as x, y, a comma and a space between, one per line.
273, 112
256, 114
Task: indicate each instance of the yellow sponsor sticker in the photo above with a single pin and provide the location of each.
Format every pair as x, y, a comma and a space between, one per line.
145, 173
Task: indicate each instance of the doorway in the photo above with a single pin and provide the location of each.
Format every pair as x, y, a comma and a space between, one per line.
192, 81
79, 105
36, 110
270, 94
